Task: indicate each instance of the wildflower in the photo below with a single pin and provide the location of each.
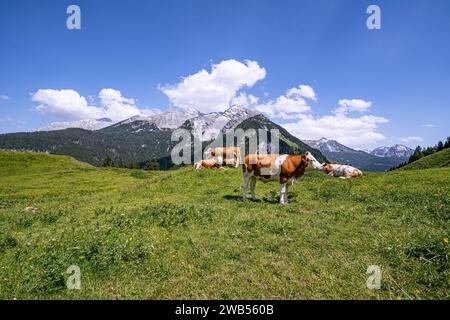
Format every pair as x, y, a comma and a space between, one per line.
445, 239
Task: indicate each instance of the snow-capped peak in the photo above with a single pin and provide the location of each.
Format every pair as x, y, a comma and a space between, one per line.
169, 119
87, 124
209, 126
173, 118
398, 151
327, 145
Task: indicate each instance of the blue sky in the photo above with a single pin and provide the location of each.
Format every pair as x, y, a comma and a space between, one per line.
394, 83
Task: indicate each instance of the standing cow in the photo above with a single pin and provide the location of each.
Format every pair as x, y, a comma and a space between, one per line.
226, 155
270, 167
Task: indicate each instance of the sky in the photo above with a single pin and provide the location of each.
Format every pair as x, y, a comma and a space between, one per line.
312, 66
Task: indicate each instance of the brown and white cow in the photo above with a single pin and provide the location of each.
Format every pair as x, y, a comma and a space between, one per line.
208, 163
226, 155
276, 167
341, 170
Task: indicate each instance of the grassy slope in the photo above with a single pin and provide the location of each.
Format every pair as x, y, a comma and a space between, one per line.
436, 160
187, 234
27, 163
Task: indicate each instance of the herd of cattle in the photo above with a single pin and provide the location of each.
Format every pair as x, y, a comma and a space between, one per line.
287, 169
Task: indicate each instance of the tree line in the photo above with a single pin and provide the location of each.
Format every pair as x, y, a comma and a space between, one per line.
149, 165
420, 152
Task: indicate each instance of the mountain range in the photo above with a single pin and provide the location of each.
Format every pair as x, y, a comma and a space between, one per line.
141, 138
397, 151
379, 159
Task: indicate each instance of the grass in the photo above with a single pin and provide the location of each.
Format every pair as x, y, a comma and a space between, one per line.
187, 234
435, 160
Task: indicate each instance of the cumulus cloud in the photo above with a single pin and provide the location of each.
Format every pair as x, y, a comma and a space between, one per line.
302, 91
70, 105
411, 139
116, 106
214, 91
349, 105
244, 100
291, 105
354, 132
64, 104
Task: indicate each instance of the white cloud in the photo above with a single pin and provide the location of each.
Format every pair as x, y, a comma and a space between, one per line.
213, 91
349, 105
353, 132
302, 91
244, 100
428, 125
4, 97
64, 104
291, 105
70, 105
411, 139
115, 106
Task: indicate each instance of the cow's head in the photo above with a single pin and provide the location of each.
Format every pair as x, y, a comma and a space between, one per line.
312, 162
208, 153
198, 165
327, 167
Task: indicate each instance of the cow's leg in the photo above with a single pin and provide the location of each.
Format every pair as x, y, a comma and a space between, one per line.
252, 187
245, 185
236, 160
283, 190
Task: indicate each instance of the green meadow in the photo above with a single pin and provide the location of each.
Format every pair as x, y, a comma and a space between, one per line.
186, 234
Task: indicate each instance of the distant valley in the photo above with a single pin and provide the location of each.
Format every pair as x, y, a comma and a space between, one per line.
379, 159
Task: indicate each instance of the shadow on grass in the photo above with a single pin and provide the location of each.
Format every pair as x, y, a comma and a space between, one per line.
238, 198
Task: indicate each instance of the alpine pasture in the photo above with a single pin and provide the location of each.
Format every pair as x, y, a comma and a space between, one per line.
186, 234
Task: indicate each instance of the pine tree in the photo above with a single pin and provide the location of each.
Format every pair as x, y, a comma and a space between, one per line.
447, 143
108, 162
151, 165
440, 146
416, 155
133, 165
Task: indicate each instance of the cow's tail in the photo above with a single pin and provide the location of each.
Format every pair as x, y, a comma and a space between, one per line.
244, 168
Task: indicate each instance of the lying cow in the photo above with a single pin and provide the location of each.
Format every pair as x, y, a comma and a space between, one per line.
225, 155
269, 167
342, 171
208, 163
